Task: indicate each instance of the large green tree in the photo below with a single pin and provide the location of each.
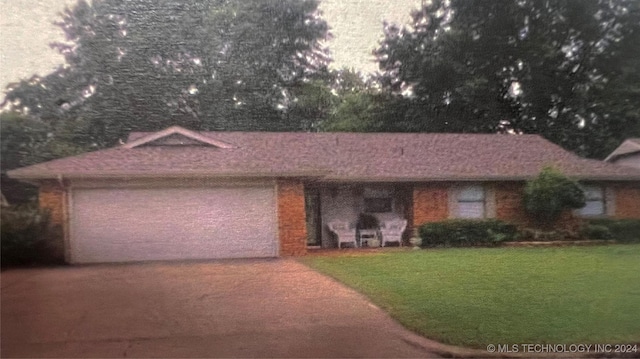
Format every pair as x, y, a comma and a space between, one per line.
204, 64
566, 69
340, 100
27, 141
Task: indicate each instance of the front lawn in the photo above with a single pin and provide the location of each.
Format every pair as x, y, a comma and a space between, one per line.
479, 296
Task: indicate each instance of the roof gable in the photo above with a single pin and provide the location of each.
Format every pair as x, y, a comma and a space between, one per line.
631, 145
176, 136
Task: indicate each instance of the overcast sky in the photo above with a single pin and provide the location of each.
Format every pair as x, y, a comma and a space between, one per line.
26, 30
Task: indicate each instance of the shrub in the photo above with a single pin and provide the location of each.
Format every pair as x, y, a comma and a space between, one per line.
596, 231
25, 237
538, 235
549, 194
466, 232
622, 230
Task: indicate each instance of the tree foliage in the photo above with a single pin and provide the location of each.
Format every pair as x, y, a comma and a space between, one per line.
358, 105
203, 64
566, 69
340, 100
27, 141
551, 193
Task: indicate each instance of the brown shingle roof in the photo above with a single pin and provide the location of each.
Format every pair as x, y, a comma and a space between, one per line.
336, 157
629, 146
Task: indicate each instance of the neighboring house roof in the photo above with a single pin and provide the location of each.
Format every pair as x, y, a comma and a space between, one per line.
629, 146
382, 157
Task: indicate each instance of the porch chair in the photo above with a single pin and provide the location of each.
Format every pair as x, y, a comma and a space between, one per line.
392, 231
344, 231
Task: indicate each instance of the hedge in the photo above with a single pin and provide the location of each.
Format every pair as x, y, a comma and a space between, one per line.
622, 230
466, 233
25, 238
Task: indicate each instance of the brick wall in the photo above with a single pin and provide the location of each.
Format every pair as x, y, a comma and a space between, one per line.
52, 197
627, 201
292, 227
510, 208
430, 203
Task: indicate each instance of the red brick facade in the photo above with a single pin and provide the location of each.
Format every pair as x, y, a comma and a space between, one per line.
510, 207
627, 201
52, 197
430, 203
292, 226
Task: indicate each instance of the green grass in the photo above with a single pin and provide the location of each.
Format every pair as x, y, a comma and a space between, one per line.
474, 297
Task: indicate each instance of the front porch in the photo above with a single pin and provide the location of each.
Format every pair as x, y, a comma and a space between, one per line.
364, 206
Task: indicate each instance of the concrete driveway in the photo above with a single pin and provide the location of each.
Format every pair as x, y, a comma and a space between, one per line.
238, 308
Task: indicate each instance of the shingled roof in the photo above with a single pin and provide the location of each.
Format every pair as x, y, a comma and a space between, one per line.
373, 157
629, 146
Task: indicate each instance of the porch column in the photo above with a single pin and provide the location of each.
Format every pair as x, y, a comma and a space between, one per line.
292, 226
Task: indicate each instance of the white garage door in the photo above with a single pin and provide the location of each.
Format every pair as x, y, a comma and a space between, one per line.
115, 225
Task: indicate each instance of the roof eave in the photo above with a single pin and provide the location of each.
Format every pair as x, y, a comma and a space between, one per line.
40, 176
321, 176
338, 179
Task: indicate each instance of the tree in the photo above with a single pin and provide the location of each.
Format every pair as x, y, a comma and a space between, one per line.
203, 64
27, 141
337, 100
566, 69
22, 141
357, 106
312, 103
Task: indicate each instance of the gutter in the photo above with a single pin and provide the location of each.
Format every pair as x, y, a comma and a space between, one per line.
35, 177
473, 179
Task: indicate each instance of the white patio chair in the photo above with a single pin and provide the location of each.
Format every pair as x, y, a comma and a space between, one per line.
345, 232
391, 231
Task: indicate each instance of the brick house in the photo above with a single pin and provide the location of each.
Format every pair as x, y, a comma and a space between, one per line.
178, 194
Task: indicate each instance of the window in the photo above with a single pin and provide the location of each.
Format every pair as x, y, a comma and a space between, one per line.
471, 202
377, 205
595, 202
377, 200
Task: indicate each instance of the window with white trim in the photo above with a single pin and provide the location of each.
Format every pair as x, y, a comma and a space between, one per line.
471, 202
595, 202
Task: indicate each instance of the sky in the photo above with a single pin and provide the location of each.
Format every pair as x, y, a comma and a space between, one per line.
26, 29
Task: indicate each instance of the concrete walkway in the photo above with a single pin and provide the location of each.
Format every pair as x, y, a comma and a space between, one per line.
236, 308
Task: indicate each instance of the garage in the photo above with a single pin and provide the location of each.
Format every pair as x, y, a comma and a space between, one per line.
139, 224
